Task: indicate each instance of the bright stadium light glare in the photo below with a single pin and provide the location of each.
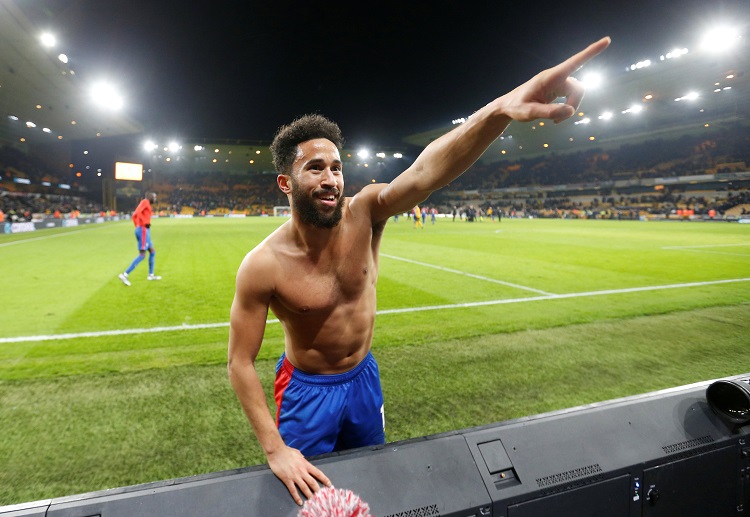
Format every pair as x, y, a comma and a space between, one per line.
675, 53
398, 155
363, 153
150, 146
635, 108
48, 39
691, 96
720, 39
174, 147
592, 80
63, 58
106, 96
606, 115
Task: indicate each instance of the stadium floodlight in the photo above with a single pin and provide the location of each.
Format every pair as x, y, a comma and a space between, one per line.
48, 39
380, 155
150, 146
363, 153
688, 97
606, 115
398, 155
674, 54
592, 80
173, 147
30, 124
720, 39
585, 120
63, 58
635, 108
106, 96
641, 64
198, 148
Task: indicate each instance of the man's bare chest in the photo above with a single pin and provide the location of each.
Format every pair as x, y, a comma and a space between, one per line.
311, 286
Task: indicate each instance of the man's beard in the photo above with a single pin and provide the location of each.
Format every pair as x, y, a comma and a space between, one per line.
308, 213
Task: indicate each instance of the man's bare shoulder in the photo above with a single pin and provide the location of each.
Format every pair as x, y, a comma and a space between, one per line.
261, 263
366, 200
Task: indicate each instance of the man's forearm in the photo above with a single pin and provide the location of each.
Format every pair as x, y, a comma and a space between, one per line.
250, 393
446, 158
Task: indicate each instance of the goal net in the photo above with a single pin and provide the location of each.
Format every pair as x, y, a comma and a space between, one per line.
283, 211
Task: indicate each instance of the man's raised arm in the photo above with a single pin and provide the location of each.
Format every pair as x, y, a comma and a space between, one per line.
449, 156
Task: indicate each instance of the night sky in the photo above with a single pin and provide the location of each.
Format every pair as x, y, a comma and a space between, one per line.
382, 70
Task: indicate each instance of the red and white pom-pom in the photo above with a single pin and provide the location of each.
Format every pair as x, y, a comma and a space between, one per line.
333, 502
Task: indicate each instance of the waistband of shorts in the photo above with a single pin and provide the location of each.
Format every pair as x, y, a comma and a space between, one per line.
320, 379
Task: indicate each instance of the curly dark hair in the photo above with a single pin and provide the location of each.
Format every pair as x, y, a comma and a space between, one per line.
302, 129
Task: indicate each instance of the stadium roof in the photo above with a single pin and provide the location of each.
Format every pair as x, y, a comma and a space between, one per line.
43, 100
689, 93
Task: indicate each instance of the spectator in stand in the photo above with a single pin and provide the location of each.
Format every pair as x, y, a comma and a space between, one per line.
142, 222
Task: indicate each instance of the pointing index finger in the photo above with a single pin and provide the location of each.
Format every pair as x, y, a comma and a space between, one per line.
576, 61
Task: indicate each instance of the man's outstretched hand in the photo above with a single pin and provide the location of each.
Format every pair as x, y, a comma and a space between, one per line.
531, 100
291, 467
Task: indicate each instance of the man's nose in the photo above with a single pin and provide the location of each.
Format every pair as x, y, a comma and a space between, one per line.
328, 178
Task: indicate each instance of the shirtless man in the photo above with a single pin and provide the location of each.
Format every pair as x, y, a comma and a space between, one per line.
318, 271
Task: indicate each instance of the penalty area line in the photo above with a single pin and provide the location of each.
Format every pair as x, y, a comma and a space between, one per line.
53, 337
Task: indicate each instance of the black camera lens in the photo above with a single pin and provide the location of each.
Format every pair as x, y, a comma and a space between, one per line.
730, 399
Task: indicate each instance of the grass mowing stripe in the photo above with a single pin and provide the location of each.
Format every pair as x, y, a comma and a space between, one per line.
379, 313
704, 246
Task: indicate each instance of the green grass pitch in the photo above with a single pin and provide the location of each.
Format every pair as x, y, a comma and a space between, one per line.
103, 385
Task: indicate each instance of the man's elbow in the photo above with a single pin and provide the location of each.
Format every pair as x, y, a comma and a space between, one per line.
235, 365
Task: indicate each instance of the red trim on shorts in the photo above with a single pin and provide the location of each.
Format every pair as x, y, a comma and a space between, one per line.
144, 239
283, 377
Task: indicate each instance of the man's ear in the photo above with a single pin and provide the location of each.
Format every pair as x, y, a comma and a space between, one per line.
284, 183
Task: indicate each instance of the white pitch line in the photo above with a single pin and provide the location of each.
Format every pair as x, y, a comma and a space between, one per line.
44, 237
456, 271
52, 337
563, 296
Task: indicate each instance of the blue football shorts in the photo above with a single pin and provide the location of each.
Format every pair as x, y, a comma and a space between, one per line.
143, 236
318, 414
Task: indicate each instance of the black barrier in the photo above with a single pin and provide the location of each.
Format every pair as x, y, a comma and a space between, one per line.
665, 454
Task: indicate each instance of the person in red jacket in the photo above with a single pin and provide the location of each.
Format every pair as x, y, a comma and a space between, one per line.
142, 222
